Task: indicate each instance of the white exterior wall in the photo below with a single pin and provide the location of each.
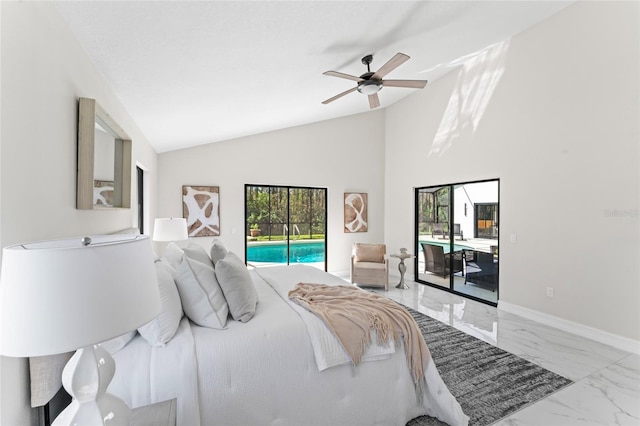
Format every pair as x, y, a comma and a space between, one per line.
471, 194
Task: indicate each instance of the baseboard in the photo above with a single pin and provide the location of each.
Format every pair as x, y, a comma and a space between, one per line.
619, 342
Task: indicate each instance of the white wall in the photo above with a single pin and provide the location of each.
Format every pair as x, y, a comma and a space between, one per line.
561, 131
342, 155
43, 72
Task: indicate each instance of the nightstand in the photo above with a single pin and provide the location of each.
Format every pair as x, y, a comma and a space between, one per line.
158, 414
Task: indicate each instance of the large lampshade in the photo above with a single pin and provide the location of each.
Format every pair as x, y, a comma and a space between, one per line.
62, 295
58, 296
170, 229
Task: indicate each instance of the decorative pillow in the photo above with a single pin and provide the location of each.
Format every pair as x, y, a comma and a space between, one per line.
202, 298
218, 251
114, 345
172, 256
237, 287
163, 327
369, 252
196, 252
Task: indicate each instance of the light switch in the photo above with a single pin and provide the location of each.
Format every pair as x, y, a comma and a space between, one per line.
514, 238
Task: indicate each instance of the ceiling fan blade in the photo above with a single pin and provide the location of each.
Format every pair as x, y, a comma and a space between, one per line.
339, 95
342, 75
374, 101
413, 84
392, 64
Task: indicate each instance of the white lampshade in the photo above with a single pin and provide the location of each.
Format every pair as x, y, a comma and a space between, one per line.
170, 229
61, 295
58, 296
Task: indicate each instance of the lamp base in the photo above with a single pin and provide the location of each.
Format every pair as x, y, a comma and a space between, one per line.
86, 378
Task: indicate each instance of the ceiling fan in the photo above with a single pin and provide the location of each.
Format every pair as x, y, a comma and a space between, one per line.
370, 83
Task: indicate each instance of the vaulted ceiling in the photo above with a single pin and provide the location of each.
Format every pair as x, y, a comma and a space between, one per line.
195, 72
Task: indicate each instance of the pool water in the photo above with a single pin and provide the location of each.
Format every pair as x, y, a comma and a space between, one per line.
277, 253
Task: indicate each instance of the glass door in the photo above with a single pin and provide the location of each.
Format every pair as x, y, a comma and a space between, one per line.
476, 216
457, 238
433, 243
285, 224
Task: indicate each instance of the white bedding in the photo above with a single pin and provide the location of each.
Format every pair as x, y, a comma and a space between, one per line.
147, 374
327, 349
264, 372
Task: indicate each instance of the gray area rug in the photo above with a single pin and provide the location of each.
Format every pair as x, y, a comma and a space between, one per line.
488, 382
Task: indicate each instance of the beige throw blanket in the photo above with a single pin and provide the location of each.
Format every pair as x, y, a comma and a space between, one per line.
351, 314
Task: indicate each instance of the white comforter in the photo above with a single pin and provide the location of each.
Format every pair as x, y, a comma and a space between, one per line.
264, 372
327, 349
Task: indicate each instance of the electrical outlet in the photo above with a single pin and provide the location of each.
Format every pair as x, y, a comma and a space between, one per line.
514, 238
549, 291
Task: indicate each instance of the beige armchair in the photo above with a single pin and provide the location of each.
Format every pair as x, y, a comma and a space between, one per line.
370, 265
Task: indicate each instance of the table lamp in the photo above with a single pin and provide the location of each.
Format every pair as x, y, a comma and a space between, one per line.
170, 229
61, 295
167, 230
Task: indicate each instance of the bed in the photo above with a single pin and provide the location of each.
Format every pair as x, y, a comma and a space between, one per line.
265, 371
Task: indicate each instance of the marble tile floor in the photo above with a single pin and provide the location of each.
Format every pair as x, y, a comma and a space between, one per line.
607, 380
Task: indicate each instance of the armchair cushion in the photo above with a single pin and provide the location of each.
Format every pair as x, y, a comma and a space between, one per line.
369, 252
371, 265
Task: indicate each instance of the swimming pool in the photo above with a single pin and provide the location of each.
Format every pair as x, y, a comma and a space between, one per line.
300, 252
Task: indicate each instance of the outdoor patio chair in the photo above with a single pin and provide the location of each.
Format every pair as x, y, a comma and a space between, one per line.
370, 265
439, 263
438, 229
457, 231
482, 270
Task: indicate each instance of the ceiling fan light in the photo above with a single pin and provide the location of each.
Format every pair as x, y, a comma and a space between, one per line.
369, 87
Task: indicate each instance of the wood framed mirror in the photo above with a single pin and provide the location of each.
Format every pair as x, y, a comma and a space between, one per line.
104, 160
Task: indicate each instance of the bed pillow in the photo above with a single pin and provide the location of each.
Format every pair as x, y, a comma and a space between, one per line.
172, 256
114, 345
163, 327
218, 251
202, 298
237, 286
197, 252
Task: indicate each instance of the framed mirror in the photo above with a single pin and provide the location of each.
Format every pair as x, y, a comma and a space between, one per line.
104, 160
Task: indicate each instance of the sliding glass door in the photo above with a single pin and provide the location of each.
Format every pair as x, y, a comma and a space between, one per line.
285, 224
433, 243
456, 238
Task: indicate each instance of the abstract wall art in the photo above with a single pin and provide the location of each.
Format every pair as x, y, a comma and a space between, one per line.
355, 212
103, 193
201, 208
